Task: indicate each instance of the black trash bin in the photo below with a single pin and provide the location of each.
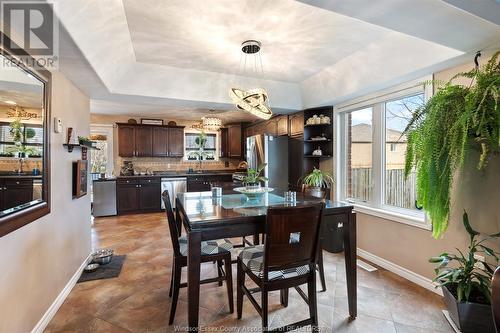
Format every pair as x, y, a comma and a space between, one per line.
332, 233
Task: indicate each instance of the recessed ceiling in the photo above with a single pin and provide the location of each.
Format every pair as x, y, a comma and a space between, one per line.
297, 40
173, 54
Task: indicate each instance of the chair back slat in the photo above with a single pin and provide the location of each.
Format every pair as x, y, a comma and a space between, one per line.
291, 236
172, 225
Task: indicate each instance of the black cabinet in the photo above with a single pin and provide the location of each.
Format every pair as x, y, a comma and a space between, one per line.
332, 232
15, 192
138, 195
201, 183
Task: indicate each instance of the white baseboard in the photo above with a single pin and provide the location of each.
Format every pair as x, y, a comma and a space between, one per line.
54, 307
401, 271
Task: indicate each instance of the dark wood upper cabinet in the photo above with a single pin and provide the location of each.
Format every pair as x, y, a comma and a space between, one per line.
223, 151
296, 124
126, 141
150, 141
282, 125
235, 140
143, 141
176, 142
160, 142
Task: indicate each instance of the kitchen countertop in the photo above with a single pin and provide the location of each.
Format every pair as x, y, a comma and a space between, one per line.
183, 174
27, 176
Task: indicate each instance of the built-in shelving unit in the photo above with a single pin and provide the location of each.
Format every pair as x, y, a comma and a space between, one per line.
71, 146
324, 130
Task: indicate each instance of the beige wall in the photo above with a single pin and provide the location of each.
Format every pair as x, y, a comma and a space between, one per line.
39, 259
410, 247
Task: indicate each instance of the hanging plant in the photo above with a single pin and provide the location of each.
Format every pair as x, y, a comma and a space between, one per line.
442, 132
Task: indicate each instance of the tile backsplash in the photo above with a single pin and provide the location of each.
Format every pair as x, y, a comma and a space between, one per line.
9, 164
143, 164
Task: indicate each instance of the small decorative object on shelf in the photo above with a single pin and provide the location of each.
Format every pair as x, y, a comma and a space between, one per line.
318, 120
147, 121
132, 121
172, 123
317, 152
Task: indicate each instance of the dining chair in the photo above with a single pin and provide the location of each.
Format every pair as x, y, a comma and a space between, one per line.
218, 251
495, 298
321, 194
286, 259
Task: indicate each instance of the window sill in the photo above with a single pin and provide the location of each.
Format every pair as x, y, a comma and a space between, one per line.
411, 220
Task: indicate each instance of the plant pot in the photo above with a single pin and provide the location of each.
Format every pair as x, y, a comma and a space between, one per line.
469, 317
251, 186
314, 191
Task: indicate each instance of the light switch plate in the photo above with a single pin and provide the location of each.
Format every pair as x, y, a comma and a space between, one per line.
58, 127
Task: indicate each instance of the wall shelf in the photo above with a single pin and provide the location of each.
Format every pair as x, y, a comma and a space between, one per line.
318, 156
71, 146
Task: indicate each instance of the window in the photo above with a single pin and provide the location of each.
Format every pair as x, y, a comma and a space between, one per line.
210, 147
371, 150
399, 190
32, 138
359, 154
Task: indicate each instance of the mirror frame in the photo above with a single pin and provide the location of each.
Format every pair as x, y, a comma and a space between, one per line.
31, 213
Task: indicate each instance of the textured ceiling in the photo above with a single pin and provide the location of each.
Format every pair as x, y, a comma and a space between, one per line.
297, 40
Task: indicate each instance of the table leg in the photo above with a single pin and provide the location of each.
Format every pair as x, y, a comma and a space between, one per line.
194, 261
350, 264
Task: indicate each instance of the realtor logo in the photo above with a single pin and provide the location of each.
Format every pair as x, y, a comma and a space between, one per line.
31, 27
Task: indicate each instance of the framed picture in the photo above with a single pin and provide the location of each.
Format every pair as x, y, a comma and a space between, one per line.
79, 178
146, 121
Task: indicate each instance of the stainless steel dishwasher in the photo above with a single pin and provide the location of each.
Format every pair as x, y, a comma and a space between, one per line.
173, 186
104, 194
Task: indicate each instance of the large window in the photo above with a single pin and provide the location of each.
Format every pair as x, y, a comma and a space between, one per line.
210, 147
371, 150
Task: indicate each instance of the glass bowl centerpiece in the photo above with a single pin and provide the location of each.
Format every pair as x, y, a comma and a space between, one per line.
252, 181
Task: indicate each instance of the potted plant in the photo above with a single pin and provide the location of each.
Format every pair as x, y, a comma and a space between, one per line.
467, 284
441, 134
316, 180
253, 177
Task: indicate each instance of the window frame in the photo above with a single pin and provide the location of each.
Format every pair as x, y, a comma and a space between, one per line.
376, 101
214, 151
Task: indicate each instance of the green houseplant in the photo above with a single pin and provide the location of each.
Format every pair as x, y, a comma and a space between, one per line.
253, 177
317, 179
441, 134
466, 282
199, 154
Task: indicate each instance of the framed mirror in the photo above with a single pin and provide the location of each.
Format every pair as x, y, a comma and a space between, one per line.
24, 141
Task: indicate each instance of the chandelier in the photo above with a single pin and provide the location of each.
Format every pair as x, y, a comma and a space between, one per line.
254, 100
210, 124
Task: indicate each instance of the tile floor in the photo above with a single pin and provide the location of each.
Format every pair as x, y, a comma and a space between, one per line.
137, 301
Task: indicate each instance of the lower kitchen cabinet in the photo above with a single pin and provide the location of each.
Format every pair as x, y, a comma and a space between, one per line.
135, 196
204, 183
15, 192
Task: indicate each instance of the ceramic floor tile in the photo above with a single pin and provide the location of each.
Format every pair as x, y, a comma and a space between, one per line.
137, 300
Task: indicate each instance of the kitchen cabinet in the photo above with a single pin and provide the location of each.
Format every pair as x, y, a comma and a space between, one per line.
223, 149
150, 141
176, 142
143, 141
126, 141
15, 192
160, 142
200, 183
134, 195
282, 125
296, 124
235, 141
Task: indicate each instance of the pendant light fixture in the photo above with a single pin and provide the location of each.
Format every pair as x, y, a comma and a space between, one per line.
254, 100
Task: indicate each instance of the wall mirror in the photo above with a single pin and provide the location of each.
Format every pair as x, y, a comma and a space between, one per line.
24, 143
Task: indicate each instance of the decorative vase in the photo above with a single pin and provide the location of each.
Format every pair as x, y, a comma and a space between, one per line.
252, 186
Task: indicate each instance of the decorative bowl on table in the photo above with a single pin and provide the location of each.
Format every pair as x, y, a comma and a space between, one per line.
253, 193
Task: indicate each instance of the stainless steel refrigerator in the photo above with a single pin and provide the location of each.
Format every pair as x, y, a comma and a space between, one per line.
273, 151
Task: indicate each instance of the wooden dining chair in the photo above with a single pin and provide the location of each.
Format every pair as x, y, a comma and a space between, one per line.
495, 298
286, 259
218, 251
321, 194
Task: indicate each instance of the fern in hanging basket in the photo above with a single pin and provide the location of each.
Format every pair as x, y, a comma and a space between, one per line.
442, 132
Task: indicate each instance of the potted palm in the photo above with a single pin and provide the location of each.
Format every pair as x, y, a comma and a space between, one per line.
467, 284
253, 178
316, 180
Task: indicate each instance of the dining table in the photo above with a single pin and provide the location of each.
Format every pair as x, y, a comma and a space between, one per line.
208, 217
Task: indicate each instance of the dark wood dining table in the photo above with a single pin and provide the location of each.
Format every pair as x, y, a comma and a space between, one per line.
232, 215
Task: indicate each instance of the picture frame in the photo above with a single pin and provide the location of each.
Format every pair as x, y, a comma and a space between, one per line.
80, 178
148, 121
